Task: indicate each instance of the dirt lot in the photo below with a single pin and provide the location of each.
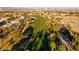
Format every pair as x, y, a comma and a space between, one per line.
73, 21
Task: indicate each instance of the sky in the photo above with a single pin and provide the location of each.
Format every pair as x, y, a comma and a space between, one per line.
39, 3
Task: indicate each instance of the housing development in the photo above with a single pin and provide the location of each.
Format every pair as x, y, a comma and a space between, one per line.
39, 29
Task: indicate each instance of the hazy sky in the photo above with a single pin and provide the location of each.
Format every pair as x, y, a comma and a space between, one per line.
39, 3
